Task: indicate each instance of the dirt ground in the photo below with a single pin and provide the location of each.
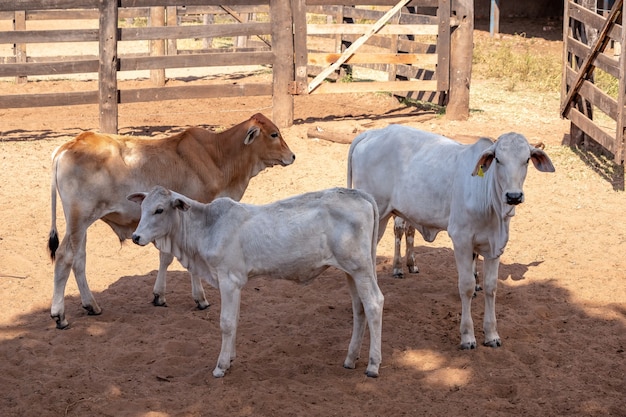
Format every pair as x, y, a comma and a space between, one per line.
561, 304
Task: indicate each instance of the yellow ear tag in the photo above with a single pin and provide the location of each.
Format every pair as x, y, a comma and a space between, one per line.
481, 173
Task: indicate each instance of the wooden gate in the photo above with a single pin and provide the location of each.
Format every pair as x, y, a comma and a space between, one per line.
403, 46
403, 50
594, 75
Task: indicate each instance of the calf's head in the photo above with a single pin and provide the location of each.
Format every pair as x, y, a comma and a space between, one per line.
158, 214
510, 155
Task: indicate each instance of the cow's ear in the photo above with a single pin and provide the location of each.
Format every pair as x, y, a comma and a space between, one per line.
484, 162
253, 132
180, 204
541, 160
137, 197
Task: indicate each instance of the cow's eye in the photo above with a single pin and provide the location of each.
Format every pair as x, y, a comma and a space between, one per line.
497, 161
158, 211
274, 135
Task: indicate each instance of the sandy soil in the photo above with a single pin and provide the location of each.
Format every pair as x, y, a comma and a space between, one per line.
561, 302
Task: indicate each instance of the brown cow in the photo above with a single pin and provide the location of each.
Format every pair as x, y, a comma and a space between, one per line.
95, 172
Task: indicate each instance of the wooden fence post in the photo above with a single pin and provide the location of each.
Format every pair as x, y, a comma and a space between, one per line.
19, 23
283, 70
107, 73
461, 50
157, 46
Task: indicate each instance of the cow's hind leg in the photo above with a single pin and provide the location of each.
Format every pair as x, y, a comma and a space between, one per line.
398, 232
86, 296
62, 269
491, 267
409, 231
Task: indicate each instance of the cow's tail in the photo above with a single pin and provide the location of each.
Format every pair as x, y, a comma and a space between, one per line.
53, 238
353, 145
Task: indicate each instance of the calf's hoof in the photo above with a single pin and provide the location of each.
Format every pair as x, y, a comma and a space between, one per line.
398, 275
414, 270
218, 372
493, 343
159, 301
202, 305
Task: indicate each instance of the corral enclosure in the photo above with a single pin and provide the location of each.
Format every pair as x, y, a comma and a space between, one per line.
411, 42
561, 302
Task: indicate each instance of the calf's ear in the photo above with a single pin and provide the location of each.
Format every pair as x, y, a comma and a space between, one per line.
253, 132
180, 204
137, 197
541, 160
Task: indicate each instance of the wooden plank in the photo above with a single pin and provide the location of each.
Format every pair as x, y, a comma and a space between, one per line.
151, 3
566, 41
355, 28
620, 141
196, 60
196, 31
283, 69
107, 72
192, 92
371, 58
49, 36
603, 61
443, 47
595, 96
418, 3
357, 44
586, 67
300, 46
48, 68
21, 101
591, 19
16, 5
591, 129
372, 87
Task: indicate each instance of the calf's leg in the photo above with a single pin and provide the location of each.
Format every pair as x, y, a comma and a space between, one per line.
467, 287
230, 297
358, 326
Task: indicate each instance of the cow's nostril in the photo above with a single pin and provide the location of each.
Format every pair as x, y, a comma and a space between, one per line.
514, 198
136, 239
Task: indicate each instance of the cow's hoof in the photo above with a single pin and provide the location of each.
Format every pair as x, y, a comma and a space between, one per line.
468, 345
398, 275
61, 322
371, 374
414, 270
493, 343
218, 373
158, 301
202, 305
93, 311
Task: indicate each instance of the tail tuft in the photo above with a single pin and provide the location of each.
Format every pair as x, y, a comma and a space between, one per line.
53, 244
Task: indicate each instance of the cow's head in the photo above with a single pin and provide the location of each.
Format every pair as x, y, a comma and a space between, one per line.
158, 217
264, 137
507, 159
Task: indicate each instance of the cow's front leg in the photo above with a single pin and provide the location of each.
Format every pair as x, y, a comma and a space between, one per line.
490, 283
160, 285
467, 287
410, 248
230, 294
197, 291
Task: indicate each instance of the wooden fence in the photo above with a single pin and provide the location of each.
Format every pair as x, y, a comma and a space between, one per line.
594, 75
409, 43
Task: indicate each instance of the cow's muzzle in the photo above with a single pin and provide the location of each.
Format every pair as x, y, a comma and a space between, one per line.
136, 239
514, 199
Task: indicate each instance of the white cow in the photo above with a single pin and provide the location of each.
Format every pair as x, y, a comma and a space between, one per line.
438, 184
226, 242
